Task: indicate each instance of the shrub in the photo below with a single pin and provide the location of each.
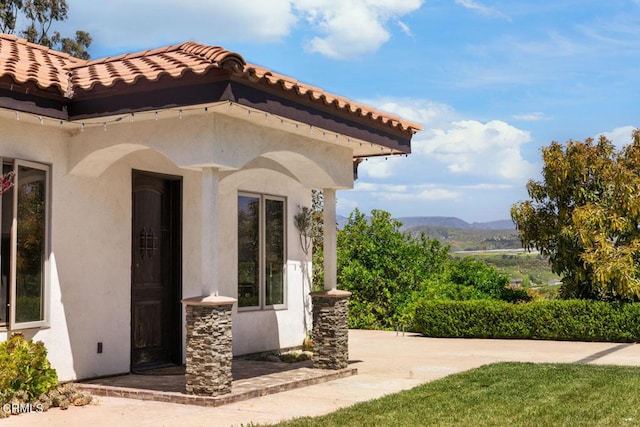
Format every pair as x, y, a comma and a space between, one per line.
568, 320
26, 377
486, 279
25, 369
362, 315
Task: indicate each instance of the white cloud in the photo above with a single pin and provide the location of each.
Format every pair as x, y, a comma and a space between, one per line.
390, 192
620, 136
432, 194
352, 27
484, 10
374, 187
491, 149
426, 113
404, 27
438, 194
487, 187
337, 29
146, 23
559, 56
531, 117
472, 147
378, 167
346, 205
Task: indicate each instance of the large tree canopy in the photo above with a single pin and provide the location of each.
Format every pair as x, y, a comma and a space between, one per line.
585, 216
388, 271
39, 16
382, 267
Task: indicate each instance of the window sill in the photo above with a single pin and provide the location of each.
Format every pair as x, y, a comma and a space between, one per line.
19, 329
259, 309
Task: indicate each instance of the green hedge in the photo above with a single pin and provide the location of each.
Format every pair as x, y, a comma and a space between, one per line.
562, 320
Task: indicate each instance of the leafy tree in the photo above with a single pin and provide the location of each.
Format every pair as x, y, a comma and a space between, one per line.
383, 267
8, 13
317, 246
40, 15
485, 280
585, 216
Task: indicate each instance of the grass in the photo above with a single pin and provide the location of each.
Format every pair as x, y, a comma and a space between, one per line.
504, 394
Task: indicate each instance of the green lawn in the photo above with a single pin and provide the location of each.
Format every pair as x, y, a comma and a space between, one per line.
505, 394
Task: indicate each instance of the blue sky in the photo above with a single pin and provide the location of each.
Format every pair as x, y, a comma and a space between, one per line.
491, 81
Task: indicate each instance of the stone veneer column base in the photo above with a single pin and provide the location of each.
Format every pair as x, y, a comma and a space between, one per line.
330, 329
209, 354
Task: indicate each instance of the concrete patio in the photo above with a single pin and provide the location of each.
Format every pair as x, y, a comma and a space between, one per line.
386, 363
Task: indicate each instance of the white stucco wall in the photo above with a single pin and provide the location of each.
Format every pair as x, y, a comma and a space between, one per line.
90, 265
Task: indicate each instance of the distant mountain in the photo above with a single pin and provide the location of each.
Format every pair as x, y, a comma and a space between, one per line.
501, 224
469, 239
453, 222
460, 235
445, 221
434, 221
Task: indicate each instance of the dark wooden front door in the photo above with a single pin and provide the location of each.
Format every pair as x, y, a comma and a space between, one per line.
155, 277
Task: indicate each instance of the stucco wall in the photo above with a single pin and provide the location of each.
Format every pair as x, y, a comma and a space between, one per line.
90, 265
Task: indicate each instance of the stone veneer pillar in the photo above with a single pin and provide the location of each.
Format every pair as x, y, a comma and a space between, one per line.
330, 329
209, 338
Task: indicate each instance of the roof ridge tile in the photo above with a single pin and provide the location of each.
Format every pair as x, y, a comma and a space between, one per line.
131, 55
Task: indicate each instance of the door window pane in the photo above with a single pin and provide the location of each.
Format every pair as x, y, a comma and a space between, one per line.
248, 251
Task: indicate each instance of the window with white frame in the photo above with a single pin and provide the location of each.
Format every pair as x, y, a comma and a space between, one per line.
261, 251
24, 221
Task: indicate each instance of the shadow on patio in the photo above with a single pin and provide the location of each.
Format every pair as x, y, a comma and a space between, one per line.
250, 379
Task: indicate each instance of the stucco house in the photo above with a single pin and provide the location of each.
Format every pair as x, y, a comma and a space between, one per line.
150, 182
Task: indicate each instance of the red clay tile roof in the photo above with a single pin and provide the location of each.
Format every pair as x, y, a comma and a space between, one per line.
24, 62
256, 73
153, 64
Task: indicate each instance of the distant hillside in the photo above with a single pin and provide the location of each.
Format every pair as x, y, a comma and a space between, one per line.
435, 221
501, 224
453, 222
445, 221
460, 235
469, 239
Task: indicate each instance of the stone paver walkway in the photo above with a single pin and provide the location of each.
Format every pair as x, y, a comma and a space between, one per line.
251, 379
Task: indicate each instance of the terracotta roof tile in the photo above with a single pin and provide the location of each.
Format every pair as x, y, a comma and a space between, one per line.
173, 61
24, 62
255, 73
29, 62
